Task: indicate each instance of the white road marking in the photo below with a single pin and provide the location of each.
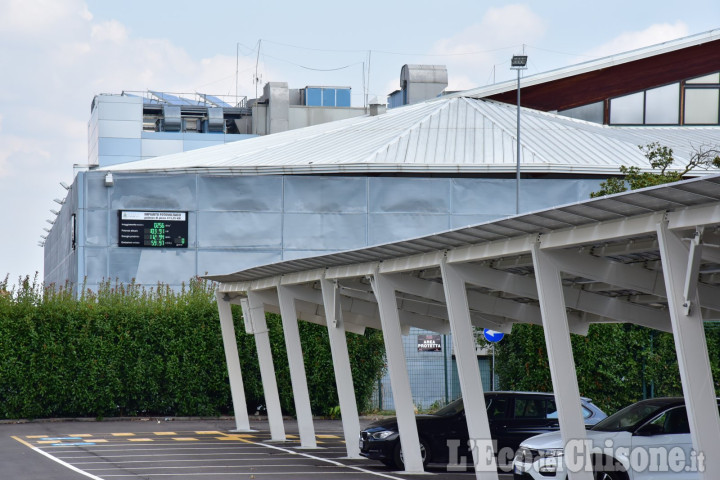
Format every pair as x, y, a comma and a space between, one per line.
55, 459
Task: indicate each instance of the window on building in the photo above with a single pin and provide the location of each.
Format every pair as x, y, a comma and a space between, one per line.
701, 106
593, 112
327, 97
628, 110
343, 97
313, 97
662, 105
699, 98
713, 78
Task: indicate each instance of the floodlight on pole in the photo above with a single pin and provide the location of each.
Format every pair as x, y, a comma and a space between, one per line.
518, 63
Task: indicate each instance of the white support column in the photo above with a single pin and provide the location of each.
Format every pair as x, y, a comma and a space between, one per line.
237, 391
562, 363
256, 312
399, 379
341, 366
469, 372
691, 346
296, 363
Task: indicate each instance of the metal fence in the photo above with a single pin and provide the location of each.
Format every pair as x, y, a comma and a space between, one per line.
432, 369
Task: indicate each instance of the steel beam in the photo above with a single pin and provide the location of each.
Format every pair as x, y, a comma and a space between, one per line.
298, 378
399, 379
256, 314
463, 339
560, 357
341, 365
615, 308
237, 390
692, 352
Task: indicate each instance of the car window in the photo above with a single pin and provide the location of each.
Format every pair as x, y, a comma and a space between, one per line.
553, 413
452, 408
550, 409
630, 417
529, 408
673, 421
497, 407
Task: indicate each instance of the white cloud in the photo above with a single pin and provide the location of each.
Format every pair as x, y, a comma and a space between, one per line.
55, 58
33, 18
500, 33
111, 31
652, 35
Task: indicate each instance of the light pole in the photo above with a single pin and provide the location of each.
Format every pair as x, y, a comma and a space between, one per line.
518, 63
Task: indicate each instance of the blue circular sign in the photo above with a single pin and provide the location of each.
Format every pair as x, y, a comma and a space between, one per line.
492, 335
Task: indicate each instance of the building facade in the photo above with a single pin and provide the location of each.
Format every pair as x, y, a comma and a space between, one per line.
313, 176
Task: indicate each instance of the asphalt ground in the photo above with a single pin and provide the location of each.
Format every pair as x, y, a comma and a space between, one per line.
168, 449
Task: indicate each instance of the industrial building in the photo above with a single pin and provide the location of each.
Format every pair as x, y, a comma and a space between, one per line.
169, 193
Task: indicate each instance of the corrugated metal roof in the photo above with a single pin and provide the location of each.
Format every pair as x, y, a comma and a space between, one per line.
450, 135
668, 197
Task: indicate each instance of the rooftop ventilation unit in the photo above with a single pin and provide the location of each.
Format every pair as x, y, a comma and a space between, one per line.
215, 120
172, 121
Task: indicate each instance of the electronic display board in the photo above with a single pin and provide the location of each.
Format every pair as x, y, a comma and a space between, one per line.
153, 229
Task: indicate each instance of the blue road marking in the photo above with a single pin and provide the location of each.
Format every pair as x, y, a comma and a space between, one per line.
77, 444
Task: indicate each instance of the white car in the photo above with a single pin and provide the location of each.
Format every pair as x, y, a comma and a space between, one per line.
647, 440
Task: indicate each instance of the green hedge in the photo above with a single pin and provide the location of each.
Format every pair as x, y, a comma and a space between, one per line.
126, 351
617, 364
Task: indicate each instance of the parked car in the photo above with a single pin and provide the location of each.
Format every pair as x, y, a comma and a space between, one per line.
513, 417
647, 440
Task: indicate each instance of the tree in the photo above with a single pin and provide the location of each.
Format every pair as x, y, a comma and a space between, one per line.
661, 158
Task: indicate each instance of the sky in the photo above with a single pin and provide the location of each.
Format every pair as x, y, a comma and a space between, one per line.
56, 55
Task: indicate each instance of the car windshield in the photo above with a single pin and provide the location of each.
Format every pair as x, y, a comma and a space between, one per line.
451, 408
629, 418
457, 406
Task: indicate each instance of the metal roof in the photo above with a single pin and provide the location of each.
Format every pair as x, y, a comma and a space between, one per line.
450, 135
663, 198
594, 65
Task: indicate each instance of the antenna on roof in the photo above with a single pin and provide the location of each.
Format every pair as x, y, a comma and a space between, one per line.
237, 66
256, 80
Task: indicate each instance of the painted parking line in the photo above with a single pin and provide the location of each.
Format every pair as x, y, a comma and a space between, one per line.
197, 454
57, 460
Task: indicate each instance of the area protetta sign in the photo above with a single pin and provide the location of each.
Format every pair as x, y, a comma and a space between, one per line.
152, 229
429, 343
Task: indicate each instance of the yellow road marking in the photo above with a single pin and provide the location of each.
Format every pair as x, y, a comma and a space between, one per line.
165, 433
123, 434
141, 439
238, 436
327, 436
81, 435
185, 439
48, 441
24, 442
210, 432
35, 436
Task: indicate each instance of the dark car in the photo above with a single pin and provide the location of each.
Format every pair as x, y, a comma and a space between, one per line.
513, 417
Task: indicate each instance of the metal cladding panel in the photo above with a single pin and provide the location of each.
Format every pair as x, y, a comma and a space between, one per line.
619, 206
239, 229
325, 194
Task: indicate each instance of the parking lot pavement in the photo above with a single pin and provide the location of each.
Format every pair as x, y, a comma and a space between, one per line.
187, 450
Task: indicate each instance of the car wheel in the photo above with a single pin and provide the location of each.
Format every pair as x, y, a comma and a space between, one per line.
609, 471
424, 454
